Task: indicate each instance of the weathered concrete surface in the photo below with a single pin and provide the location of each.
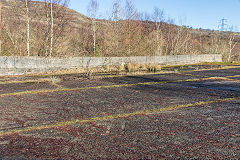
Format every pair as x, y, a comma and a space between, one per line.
206, 130
22, 65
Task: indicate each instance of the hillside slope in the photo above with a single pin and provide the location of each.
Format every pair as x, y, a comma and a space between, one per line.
73, 35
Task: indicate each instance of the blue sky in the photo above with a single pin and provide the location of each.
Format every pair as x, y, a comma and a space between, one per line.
196, 13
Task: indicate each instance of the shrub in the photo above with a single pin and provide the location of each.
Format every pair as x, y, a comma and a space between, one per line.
130, 67
154, 68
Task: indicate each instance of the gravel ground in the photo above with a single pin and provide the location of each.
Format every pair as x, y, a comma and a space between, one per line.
125, 118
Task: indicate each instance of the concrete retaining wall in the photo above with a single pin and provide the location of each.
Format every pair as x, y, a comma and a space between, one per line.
21, 65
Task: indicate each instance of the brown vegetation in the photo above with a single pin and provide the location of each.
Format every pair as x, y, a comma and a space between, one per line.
130, 34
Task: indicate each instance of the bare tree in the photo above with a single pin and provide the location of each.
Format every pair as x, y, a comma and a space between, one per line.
52, 28
169, 36
182, 38
216, 43
158, 17
20, 36
178, 39
47, 21
56, 26
92, 11
116, 26
15, 28
0, 28
131, 14
231, 42
28, 27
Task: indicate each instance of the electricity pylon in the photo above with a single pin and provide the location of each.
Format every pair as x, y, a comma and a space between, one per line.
223, 24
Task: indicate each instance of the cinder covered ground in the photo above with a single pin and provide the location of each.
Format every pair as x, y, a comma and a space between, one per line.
194, 114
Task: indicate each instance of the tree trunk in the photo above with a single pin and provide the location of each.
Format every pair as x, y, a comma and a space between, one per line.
230, 52
28, 29
92, 10
94, 36
116, 28
51, 43
0, 28
47, 17
129, 39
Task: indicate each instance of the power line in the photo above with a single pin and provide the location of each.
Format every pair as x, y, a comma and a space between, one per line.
223, 24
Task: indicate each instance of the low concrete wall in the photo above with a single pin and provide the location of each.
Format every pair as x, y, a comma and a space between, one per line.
22, 65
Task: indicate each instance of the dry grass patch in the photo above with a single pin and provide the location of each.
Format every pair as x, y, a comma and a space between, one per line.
154, 67
131, 67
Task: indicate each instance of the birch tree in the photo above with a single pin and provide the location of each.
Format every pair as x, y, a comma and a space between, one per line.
158, 17
116, 26
216, 43
13, 30
52, 28
47, 28
131, 14
0, 28
57, 19
28, 27
231, 43
92, 11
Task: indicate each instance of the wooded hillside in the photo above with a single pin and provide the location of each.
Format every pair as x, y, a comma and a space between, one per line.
126, 32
